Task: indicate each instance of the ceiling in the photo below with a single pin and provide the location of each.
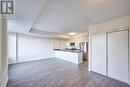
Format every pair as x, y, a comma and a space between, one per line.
102, 10
59, 17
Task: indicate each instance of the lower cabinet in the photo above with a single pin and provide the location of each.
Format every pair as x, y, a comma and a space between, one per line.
110, 54
73, 57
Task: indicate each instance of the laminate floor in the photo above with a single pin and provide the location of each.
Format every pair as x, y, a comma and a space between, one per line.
57, 73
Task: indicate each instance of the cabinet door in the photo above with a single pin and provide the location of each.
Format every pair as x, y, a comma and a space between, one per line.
118, 55
56, 44
99, 53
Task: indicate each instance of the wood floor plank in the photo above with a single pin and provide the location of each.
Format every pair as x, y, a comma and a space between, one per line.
57, 73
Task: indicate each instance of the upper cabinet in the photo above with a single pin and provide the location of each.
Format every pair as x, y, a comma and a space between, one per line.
59, 44
76, 41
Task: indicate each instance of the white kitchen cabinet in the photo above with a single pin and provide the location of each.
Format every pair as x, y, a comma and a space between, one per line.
56, 44
62, 44
118, 55
73, 57
59, 44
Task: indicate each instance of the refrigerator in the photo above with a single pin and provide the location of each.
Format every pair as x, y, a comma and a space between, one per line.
84, 49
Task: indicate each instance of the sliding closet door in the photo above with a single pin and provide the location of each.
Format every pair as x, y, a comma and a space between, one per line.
118, 55
99, 53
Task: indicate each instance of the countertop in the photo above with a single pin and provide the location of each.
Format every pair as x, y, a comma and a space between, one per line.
75, 51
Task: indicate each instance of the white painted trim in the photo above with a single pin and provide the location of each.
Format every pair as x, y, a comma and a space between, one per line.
106, 53
129, 54
90, 54
4, 72
17, 47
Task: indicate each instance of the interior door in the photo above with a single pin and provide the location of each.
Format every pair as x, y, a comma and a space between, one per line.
118, 55
99, 53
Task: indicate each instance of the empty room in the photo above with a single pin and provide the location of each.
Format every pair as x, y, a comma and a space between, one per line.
64, 43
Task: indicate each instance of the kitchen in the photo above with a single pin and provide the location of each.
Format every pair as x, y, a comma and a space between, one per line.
75, 51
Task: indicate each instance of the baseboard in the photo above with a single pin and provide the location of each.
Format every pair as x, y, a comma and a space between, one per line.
3, 78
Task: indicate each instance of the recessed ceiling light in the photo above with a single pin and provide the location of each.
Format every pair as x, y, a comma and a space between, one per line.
98, 1
72, 33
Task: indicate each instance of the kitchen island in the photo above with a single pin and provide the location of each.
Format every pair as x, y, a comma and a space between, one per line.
73, 56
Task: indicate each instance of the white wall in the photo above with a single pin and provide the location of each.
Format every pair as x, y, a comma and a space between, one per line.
33, 47
106, 26
3, 53
12, 47
79, 39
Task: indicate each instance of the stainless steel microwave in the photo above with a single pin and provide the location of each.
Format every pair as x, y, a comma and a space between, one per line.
72, 44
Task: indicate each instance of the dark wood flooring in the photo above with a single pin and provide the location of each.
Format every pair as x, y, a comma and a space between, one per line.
57, 73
